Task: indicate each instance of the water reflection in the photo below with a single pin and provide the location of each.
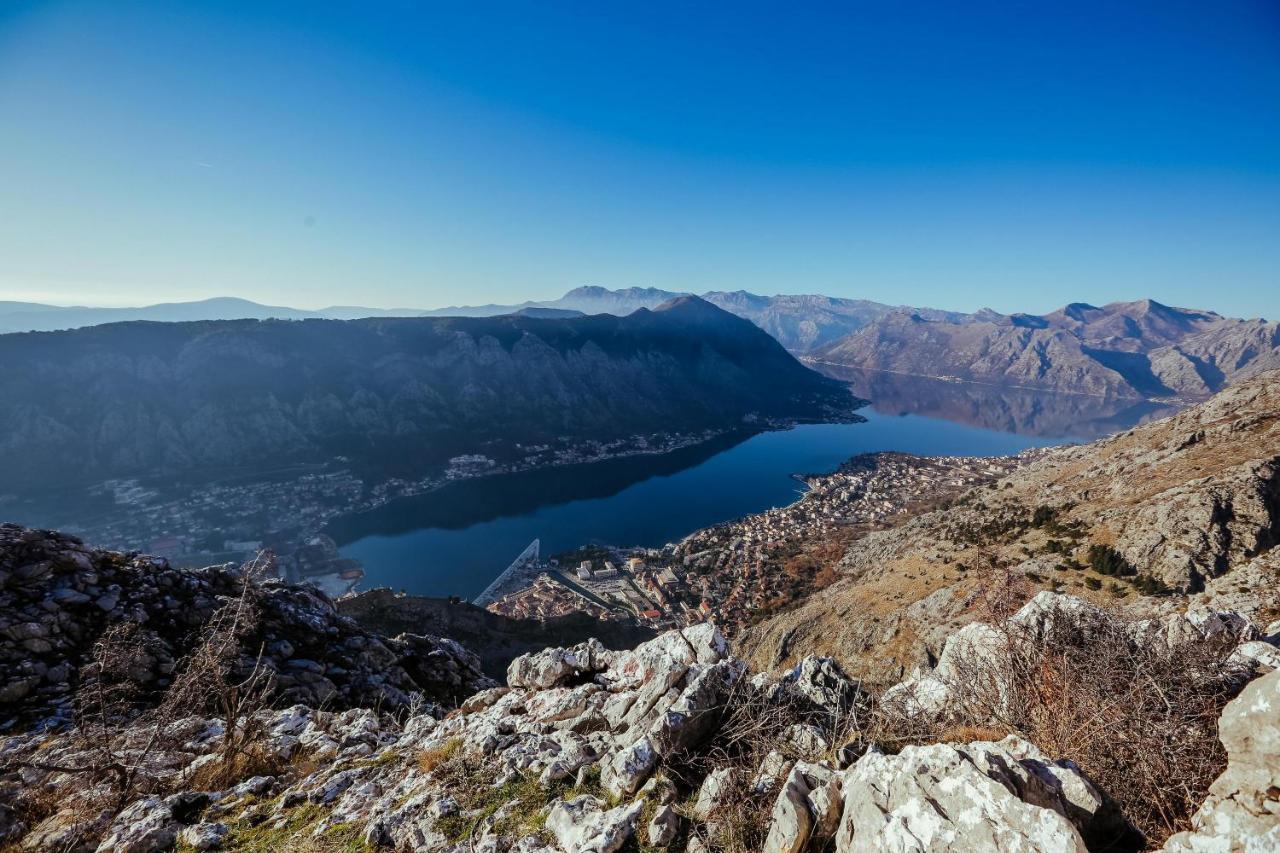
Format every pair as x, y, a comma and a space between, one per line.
468, 502
1019, 411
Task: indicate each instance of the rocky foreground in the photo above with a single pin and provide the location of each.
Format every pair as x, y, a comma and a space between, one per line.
673, 744
57, 596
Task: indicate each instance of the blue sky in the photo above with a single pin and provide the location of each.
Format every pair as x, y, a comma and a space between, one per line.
957, 155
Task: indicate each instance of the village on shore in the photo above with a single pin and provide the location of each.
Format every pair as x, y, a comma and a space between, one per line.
739, 571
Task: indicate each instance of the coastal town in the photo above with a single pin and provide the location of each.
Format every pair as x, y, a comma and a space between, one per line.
740, 571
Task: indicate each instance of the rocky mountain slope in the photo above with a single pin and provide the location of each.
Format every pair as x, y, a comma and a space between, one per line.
1189, 505
930, 700
149, 398
671, 745
1079, 656
1134, 349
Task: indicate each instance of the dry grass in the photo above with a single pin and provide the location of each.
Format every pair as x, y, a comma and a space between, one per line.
430, 760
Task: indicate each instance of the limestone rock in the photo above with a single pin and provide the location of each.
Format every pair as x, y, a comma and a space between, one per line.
953, 798
317, 657
1242, 812
204, 836
715, 787
822, 682
623, 774
585, 825
790, 823
553, 667
664, 827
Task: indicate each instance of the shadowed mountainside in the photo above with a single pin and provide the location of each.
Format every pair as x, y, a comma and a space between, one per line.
120, 399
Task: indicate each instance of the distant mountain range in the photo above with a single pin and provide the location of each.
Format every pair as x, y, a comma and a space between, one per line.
36, 317
130, 398
798, 322
1125, 349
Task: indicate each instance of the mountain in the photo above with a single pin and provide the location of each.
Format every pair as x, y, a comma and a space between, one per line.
132, 398
590, 299
802, 323
1127, 349
1028, 668
799, 322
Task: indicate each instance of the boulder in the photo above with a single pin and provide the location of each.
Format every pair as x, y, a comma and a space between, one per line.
151, 824
715, 787
664, 827
1256, 656
585, 825
822, 683
553, 667
790, 823
204, 836
624, 773
957, 798
1053, 613
1242, 812
697, 709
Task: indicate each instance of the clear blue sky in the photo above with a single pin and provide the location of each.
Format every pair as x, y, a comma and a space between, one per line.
1016, 155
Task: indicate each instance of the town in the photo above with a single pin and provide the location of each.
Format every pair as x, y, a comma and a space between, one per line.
740, 571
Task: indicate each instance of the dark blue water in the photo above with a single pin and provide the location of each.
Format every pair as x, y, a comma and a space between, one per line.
456, 540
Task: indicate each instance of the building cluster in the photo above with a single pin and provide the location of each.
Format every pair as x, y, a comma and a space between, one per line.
732, 571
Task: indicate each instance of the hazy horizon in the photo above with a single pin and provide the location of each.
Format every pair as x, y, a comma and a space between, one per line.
536, 298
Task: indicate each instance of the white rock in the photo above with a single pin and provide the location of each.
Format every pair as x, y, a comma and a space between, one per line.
672, 652
773, 769
1242, 812
807, 739
714, 788
204, 836
790, 824
584, 825
664, 827
1049, 611
1229, 625
955, 799
1256, 656
143, 827
624, 772
552, 667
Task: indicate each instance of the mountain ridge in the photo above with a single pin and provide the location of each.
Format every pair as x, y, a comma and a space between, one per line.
1140, 349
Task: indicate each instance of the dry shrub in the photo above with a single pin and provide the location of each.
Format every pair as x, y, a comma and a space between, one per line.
122, 727
215, 678
1137, 714
1140, 718
999, 591
753, 723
